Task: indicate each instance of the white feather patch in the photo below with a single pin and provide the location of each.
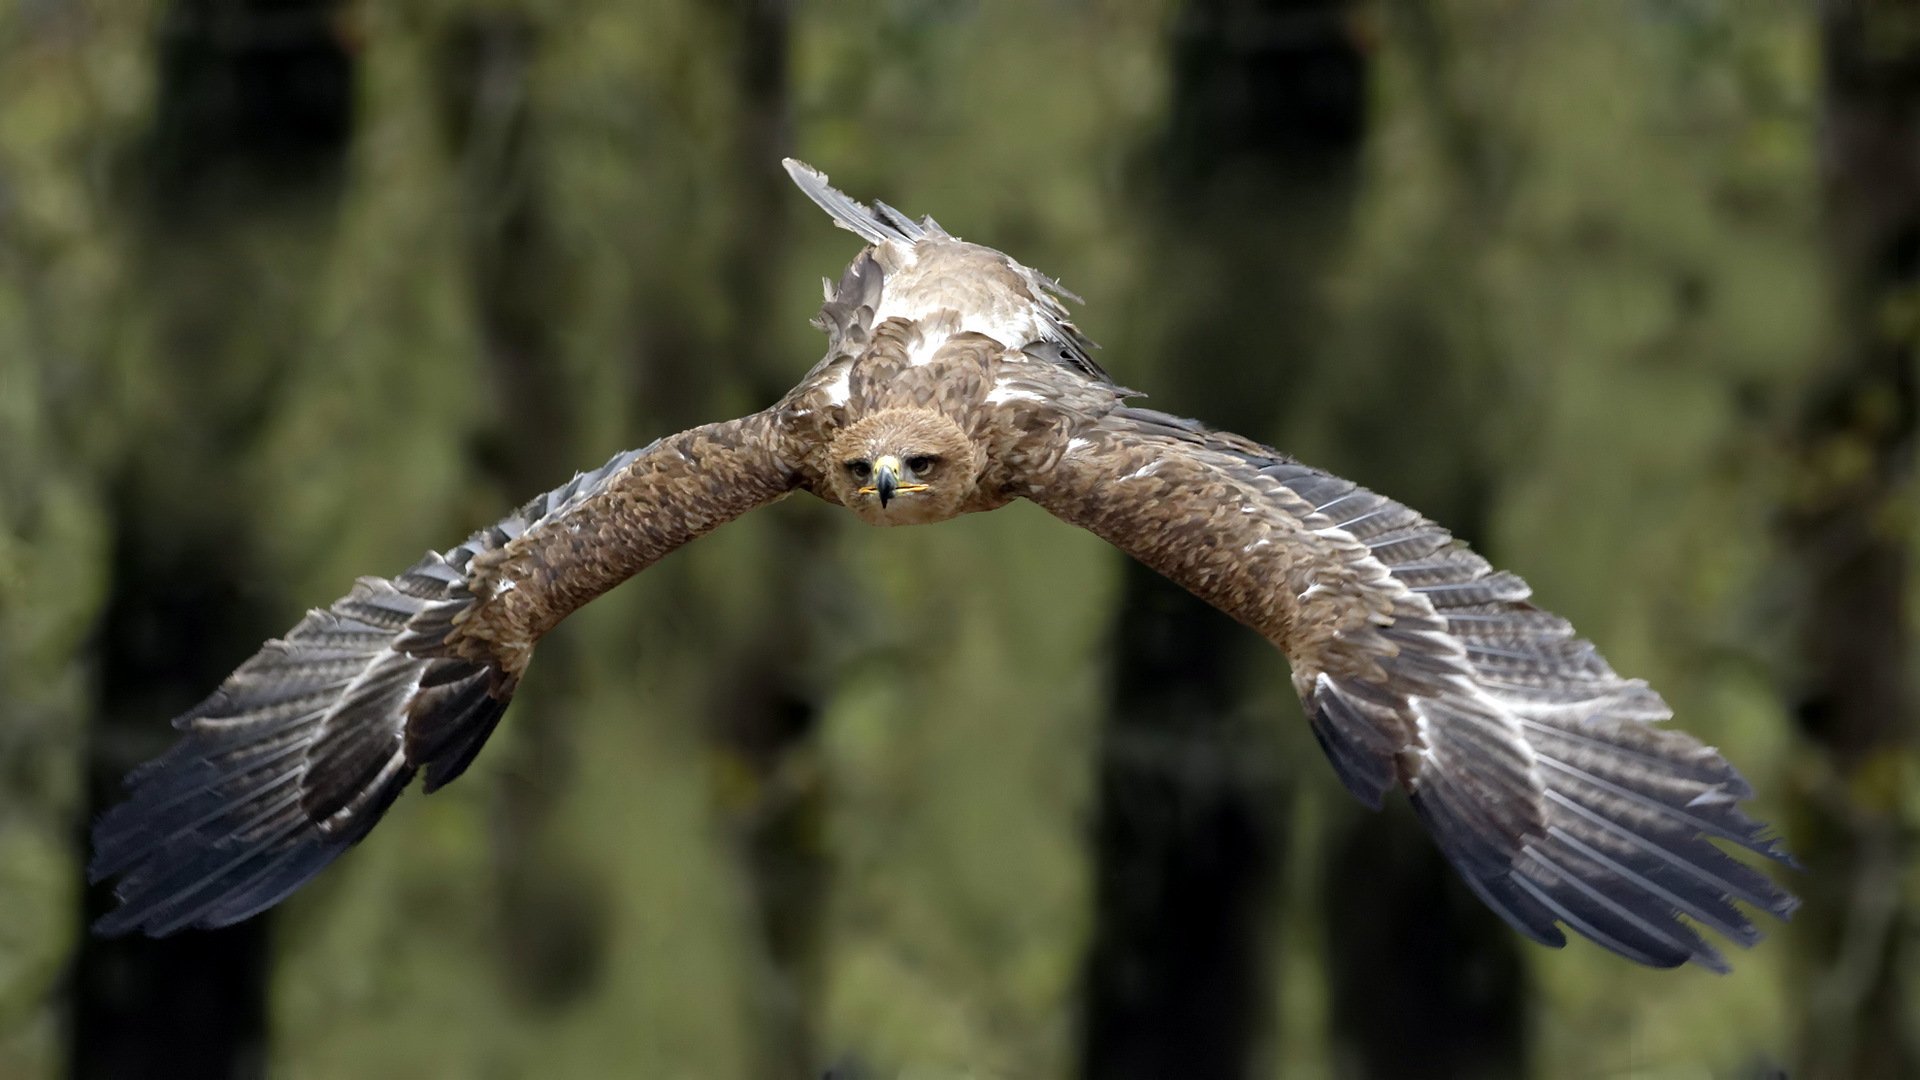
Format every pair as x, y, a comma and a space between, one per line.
1002, 393
922, 352
839, 390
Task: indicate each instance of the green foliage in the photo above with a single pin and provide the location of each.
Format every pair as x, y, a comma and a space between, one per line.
1579, 284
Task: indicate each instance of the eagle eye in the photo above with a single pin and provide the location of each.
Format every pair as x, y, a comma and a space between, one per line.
860, 469
921, 463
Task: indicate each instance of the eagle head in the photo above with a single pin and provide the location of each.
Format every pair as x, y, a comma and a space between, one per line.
903, 467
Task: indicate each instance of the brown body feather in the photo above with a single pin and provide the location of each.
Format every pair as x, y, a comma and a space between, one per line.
954, 382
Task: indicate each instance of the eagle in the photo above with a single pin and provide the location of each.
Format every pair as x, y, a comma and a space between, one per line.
954, 381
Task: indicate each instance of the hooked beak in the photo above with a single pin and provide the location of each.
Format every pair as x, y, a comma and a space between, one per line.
886, 481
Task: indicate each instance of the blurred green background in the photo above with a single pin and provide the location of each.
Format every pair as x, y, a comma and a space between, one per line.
1627, 293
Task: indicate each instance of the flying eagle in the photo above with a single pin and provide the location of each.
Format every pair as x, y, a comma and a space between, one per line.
954, 382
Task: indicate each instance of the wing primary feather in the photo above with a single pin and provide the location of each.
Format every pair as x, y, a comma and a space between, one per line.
460, 752
263, 888
1592, 931
1679, 815
1540, 929
187, 879
1658, 932
1713, 772
1366, 773
1718, 917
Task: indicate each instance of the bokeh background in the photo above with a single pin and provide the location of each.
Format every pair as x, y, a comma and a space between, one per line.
1627, 293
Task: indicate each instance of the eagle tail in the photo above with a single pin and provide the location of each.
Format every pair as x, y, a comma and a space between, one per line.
298, 754
881, 222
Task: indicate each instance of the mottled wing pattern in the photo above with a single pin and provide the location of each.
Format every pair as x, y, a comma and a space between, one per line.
302, 749
1542, 774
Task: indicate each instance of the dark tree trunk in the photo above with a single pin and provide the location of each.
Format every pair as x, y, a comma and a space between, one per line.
763, 725
193, 1004
1426, 981
253, 118
1255, 174
552, 919
1849, 532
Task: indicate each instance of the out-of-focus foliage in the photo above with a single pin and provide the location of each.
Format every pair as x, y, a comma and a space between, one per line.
72, 95
1580, 283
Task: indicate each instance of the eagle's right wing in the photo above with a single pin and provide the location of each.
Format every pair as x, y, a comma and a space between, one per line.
1543, 776
303, 748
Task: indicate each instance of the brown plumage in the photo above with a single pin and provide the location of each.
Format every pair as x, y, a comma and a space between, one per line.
954, 382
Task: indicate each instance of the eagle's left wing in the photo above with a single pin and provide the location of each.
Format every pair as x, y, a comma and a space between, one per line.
1540, 772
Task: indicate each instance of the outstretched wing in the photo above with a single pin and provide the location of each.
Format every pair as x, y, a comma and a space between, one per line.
1540, 772
301, 749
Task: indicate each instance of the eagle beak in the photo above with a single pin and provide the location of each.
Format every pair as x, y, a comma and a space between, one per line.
886, 481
